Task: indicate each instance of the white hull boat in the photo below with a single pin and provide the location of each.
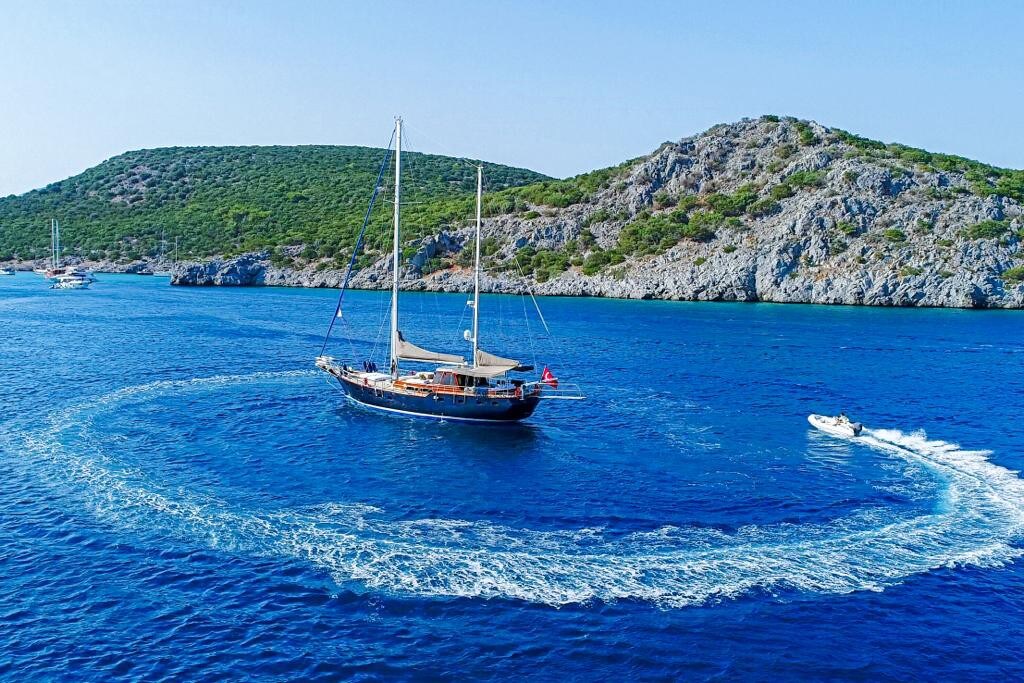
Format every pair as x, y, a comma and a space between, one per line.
6, 271
837, 426
70, 282
56, 272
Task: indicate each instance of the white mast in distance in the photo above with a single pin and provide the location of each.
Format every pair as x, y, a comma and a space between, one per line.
476, 262
395, 254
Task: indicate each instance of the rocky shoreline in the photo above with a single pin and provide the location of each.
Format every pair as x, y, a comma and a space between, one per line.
746, 276
96, 266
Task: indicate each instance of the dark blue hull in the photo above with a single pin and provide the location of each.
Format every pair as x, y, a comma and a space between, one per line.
444, 406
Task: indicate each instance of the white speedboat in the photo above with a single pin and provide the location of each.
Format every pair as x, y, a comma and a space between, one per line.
6, 271
840, 425
70, 282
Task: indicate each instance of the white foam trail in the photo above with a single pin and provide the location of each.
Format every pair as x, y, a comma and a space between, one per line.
979, 516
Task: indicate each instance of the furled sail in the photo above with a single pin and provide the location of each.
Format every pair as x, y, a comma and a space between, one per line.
491, 362
408, 351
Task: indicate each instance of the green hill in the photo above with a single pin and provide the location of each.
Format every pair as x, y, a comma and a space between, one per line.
225, 200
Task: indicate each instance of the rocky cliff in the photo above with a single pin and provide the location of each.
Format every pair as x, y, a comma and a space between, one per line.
767, 209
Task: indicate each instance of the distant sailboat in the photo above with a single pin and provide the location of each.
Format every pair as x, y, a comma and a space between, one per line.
56, 270
162, 259
478, 390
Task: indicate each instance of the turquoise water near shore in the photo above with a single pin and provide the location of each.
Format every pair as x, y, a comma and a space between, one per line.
182, 495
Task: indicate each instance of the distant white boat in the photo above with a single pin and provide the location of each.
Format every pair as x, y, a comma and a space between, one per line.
7, 271
840, 425
70, 282
164, 271
56, 271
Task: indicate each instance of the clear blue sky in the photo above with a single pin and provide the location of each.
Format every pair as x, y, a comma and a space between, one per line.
559, 87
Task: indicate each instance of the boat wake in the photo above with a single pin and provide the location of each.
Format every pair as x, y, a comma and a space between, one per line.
976, 521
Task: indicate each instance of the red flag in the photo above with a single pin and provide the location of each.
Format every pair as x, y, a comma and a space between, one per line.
548, 378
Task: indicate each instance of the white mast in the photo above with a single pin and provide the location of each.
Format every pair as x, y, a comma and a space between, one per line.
56, 242
476, 262
53, 245
395, 254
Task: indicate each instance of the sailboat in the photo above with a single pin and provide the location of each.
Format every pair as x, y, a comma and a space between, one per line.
164, 270
56, 271
477, 390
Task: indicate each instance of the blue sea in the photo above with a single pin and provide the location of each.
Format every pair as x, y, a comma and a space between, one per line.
183, 496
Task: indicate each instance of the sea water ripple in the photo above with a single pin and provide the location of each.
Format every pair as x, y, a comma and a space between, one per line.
977, 517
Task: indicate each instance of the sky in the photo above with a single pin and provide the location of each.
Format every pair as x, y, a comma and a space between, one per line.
558, 87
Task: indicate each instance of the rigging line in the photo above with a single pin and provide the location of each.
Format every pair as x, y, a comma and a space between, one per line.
359, 241
465, 160
458, 329
529, 330
530, 290
348, 337
380, 330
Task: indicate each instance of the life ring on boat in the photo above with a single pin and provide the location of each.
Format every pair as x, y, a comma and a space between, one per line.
366, 382
518, 392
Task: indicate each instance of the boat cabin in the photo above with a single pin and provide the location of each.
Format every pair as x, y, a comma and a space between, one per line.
455, 378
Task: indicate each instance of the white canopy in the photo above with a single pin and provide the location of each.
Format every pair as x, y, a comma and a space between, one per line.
409, 351
494, 364
489, 371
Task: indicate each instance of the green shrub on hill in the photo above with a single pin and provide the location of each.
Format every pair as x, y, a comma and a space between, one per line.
732, 204
987, 230
763, 207
599, 258
805, 178
1014, 275
805, 133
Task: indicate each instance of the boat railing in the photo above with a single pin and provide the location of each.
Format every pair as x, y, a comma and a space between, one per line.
564, 391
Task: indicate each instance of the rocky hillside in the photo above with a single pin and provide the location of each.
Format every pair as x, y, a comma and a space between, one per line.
770, 209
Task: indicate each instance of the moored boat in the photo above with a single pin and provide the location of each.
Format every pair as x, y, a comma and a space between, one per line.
56, 270
164, 270
70, 282
7, 271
